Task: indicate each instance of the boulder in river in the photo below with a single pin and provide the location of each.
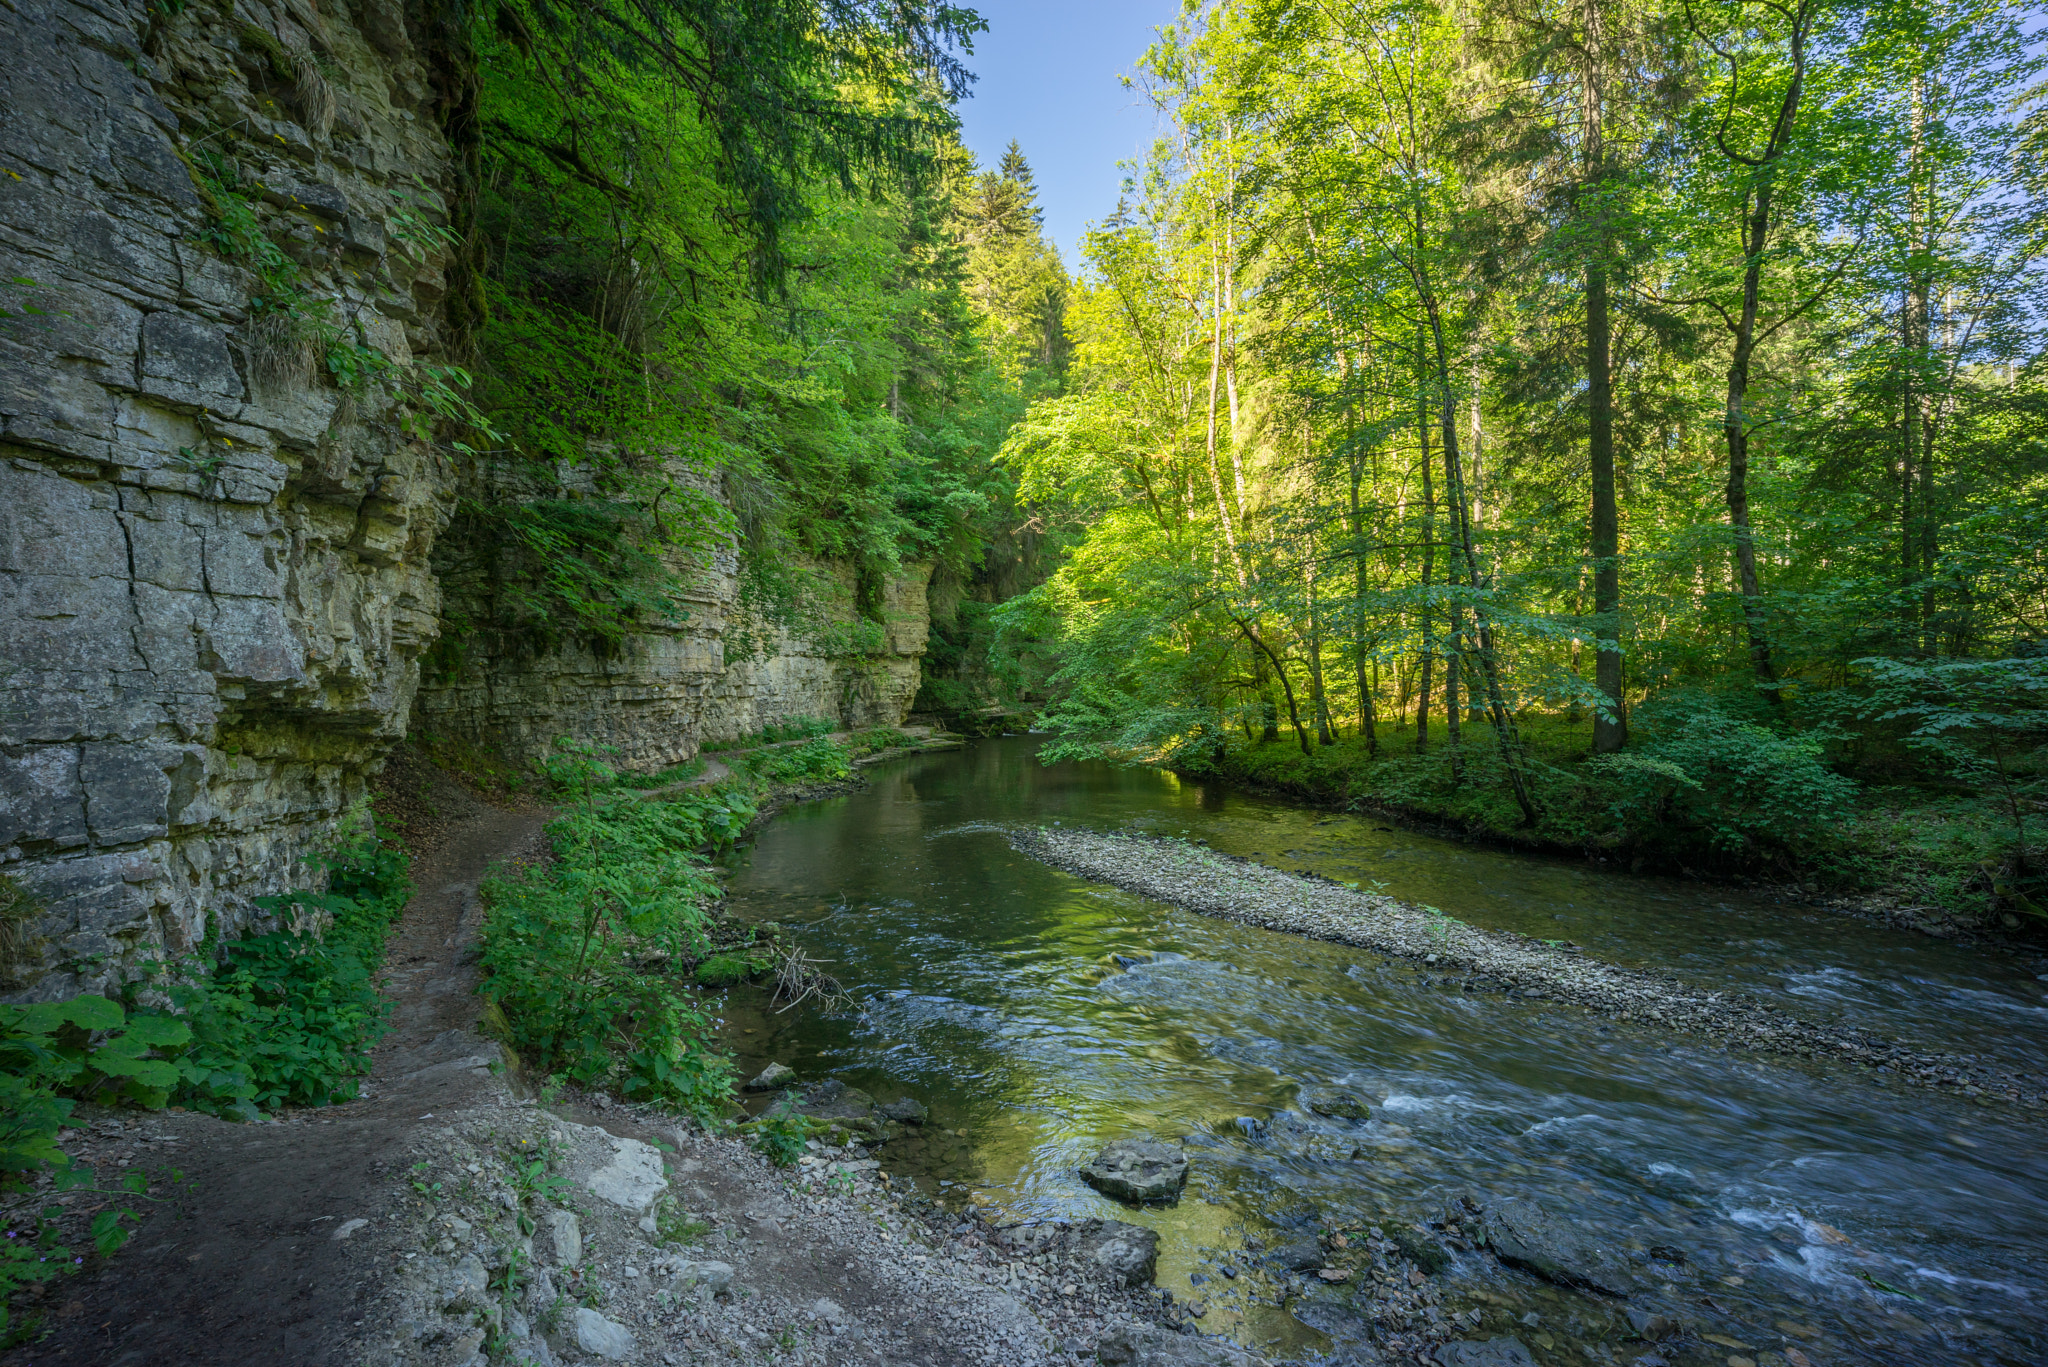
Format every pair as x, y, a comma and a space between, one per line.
1337, 1103
1138, 1170
1525, 1235
774, 1076
1416, 1245
1500, 1352
1147, 1345
1128, 1252
907, 1111
1304, 1254
834, 1103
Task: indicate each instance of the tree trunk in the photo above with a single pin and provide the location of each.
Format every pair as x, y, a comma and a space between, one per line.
1477, 466
1735, 426
1507, 739
1428, 564
1610, 724
1756, 237
1293, 711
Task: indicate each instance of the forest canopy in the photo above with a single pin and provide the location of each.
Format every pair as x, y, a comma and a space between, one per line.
1602, 419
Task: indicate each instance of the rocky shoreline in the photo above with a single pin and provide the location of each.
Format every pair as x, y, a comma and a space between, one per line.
1201, 880
520, 1235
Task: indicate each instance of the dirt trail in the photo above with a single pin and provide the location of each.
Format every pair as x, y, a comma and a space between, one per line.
241, 1266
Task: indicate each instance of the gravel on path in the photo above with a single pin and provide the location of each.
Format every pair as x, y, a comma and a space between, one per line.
1198, 879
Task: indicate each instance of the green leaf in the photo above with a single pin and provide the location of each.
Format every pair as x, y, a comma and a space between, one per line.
159, 1032
90, 1012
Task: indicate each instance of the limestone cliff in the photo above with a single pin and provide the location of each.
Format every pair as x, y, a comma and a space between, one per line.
678, 683
216, 582
213, 563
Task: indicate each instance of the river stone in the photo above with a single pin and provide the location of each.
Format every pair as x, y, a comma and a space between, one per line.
1299, 1255
1147, 1345
593, 1333
833, 1100
717, 1276
1416, 1246
632, 1179
1500, 1352
1338, 1103
1138, 1170
908, 1111
468, 1283
561, 1237
1648, 1324
1525, 1235
1130, 1252
773, 1076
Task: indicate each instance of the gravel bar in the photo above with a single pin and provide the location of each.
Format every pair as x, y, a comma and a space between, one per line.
1198, 879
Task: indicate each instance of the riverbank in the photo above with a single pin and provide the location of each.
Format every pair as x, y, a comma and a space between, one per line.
1467, 958
1911, 857
462, 1212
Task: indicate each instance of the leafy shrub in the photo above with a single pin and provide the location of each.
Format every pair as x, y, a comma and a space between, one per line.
1740, 786
575, 954
724, 970
779, 1137
817, 761
787, 729
662, 778
285, 1018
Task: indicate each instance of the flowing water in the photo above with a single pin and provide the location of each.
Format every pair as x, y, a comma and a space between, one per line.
1040, 1015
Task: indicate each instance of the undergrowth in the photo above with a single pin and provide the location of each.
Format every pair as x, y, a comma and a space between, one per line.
595, 961
585, 958
815, 761
1701, 793
280, 1018
787, 729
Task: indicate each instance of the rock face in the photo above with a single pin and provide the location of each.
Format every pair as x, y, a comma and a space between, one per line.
217, 568
1138, 1170
214, 585
673, 685
1527, 1236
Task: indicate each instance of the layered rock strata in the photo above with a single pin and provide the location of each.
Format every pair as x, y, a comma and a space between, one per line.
702, 675
224, 265
214, 574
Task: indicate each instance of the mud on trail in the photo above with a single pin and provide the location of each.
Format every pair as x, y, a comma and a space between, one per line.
240, 1264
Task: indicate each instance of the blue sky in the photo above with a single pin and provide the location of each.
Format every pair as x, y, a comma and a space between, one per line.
1048, 77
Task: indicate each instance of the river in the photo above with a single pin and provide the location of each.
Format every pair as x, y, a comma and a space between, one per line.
1039, 1016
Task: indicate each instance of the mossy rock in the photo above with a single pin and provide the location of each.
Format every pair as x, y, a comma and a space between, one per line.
724, 970
1415, 1245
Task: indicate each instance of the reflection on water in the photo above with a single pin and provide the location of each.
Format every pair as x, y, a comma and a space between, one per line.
1039, 1016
